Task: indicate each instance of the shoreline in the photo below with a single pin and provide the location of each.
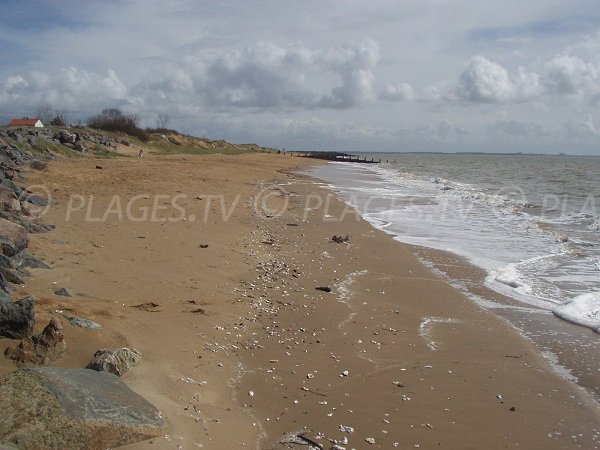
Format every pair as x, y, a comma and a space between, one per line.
560, 341
243, 341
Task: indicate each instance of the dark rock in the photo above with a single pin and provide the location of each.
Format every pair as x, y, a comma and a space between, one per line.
8, 199
16, 136
17, 318
117, 361
4, 297
64, 137
64, 292
13, 237
5, 261
12, 186
11, 276
39, 350
80, 147
35, 200
31, 227
25, 260
323, 288
73, 409
340, 239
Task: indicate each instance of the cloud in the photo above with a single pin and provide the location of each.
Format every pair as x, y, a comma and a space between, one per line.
514, 129
570, 75
575, 72
70, 88
485, 81
267, 76
583, 129
402, 92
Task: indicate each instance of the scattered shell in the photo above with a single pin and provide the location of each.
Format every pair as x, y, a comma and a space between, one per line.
251, 393
370, 440
346, 429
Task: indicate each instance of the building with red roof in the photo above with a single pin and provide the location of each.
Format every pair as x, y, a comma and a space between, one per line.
26, 122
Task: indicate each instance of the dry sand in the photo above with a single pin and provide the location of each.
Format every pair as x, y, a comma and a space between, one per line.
241, 350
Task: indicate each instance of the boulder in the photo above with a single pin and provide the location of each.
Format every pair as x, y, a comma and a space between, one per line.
11, 276
83, 323
39, 350
8, 199
64, 292
80, 146
17, 318
64, 137
73, 409
117, 361
13, 237
25, 260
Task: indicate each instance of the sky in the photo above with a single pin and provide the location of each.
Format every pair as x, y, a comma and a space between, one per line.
345, 75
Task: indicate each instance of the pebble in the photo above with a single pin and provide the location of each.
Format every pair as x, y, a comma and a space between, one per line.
370, 440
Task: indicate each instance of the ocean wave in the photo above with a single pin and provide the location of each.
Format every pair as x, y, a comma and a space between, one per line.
582, 310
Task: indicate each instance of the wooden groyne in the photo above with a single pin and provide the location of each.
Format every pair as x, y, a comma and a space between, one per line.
338, 156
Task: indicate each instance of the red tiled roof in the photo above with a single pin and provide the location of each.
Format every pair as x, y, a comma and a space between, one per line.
22, 122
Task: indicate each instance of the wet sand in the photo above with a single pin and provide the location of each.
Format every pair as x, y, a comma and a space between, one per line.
241, 349
570, 348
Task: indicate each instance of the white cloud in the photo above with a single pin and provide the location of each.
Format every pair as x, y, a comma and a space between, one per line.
70, 88
570, 75
565, 74
402, 92
485, 81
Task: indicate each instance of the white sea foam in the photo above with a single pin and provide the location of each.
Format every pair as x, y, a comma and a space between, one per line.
583, 310
535, 250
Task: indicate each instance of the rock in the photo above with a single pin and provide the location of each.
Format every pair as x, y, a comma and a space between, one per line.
64, 137
80, 147
117, 361
73, 409
39, 350
38, 165
83, 323
25, 260
8, 199
10, 276
35, 200
323, 288
64, 292
17, 318
13, 237
340, 239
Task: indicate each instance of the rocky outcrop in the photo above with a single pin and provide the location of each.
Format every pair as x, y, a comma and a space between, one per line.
74, 409
117, 361
17, 318
72, 138
39, 350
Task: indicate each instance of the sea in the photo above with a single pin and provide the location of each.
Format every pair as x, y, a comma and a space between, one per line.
518, 234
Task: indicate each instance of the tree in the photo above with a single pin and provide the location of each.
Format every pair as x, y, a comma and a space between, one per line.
113, 119
162, 122
59, 119
45, 112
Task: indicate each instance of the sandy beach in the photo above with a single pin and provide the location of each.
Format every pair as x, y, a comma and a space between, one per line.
209, 266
